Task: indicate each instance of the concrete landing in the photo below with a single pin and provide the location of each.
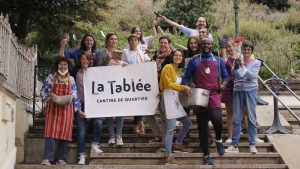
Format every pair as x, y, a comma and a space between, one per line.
288, 146
288, 100
265, 116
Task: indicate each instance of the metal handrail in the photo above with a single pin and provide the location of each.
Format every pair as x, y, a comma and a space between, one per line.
276, 126
37, 73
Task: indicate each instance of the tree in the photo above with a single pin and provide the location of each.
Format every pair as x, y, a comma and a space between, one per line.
187, 12
43, 22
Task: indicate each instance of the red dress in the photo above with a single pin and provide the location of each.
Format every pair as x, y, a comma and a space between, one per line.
228, 91
59, 119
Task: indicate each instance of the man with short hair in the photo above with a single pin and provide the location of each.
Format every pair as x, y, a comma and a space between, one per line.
201, 23
204, 70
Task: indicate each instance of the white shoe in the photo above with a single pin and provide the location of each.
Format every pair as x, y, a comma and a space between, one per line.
46, 162
259, 140
112, 140
210, 124
95, 148
178, 123
232, 149
61, 162
119, 140
253, 149
228, 141
81, 159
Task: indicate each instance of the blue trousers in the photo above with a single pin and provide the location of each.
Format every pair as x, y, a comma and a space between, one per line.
244, 100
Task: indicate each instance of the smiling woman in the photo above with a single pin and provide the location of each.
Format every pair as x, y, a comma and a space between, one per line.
88, 45
56, 93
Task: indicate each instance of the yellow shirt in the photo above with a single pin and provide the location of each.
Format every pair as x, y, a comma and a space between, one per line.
168, 78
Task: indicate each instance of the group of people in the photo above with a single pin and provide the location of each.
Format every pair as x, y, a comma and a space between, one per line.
231, 79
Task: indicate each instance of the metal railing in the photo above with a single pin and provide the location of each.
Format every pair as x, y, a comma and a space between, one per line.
16, 63
274, 84
40, 74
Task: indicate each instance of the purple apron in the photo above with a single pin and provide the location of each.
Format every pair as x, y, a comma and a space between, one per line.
207, 78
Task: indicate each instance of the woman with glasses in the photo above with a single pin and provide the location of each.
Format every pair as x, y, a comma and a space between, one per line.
245, 93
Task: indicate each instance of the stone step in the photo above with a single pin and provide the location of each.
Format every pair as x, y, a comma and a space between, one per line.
129, 129
133, 138
155, 147
35, 146
183, 158
217, 166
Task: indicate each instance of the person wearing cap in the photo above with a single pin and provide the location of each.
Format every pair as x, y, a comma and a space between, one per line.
204, 72
134, 55
59, 92
201, 23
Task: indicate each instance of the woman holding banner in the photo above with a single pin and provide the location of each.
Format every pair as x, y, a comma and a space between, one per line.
108, 57
134, 55
170, 106
85, 60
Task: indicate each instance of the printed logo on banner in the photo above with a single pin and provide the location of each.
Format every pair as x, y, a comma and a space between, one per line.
111, 91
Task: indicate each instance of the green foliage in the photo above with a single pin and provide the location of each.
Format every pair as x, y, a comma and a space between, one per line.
43, 22
186, 12
282, 5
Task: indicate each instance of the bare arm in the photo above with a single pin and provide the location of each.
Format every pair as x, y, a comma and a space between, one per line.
153, 29
63, 43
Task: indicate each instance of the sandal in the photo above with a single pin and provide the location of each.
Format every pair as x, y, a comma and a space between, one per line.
136, 130
141, 128
155, 139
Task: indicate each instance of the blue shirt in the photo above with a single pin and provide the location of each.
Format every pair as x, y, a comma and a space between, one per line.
194, 65
74, 54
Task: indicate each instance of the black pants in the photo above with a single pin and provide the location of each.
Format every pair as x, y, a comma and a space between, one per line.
203, 116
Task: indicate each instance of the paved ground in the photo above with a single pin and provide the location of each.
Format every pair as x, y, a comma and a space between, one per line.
289, 100
291, 153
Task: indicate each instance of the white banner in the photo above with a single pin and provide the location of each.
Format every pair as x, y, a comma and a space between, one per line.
111, 91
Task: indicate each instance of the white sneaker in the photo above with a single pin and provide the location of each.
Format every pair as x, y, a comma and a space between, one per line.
253, 149
119, 140
61, 162
112, 140
259, 140
232, 149
95, 148
46, 162
228, 141
178, 123
81, 159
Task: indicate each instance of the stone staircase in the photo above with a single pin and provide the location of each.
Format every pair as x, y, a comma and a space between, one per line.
137, 153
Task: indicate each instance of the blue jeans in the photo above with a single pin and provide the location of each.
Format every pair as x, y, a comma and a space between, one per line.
244, 100
81, 130
110, 123
52, 146
170, 126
